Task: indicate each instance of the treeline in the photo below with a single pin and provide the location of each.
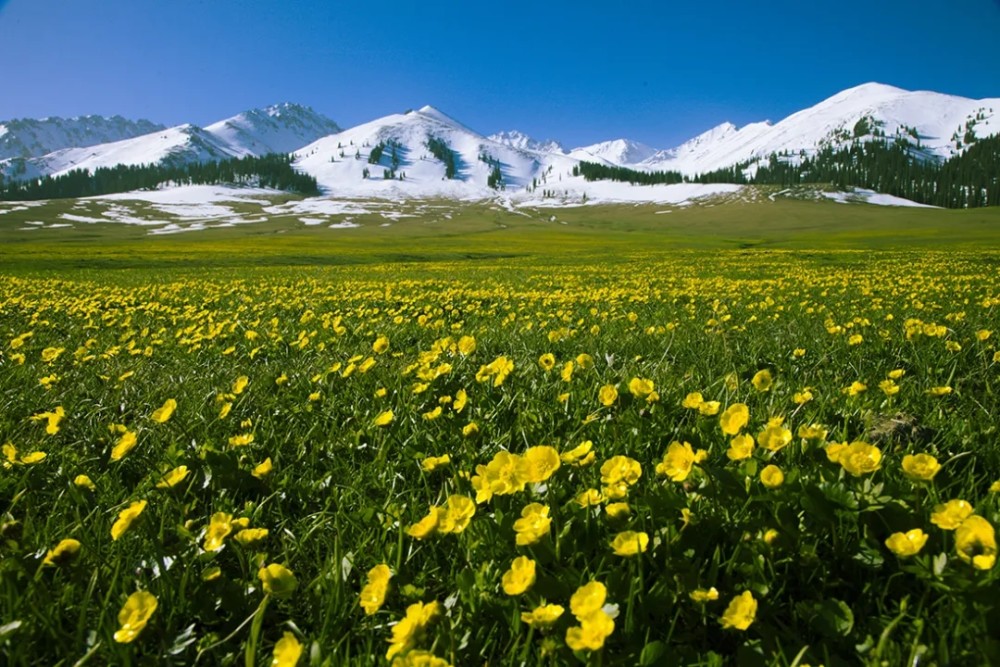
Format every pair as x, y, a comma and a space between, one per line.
591, 171
440, 150
269, 171
891, 166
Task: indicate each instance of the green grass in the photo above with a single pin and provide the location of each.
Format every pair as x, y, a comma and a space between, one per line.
699, 300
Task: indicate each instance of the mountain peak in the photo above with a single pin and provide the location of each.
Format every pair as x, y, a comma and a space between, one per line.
520, 140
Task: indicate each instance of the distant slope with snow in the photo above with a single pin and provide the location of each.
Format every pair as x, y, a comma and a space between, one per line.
281, 128
618, 152
935, 125
516, 139
27, 138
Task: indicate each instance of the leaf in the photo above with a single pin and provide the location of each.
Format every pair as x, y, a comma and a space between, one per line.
652, 652
9, 628
835, 618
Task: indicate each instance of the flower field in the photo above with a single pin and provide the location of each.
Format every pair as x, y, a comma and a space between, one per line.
774, 458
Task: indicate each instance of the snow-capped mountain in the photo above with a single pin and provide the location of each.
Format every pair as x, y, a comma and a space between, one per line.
426, 153
936, 126
281, 128
407, 154
27, 137
517, 139
618, 152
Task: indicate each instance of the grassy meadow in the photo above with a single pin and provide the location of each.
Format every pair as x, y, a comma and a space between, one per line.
754, 433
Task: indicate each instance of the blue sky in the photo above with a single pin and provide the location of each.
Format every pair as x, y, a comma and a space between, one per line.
580, 72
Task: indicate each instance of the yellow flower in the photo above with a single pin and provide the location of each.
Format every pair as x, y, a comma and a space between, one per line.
588, 599
799, 352
540, 463
384, 418
584, 361
241, 440
533, 525
124, 445
287, 651
812, 432
50, 354
860, 458
84, 482
218, 529
250, 536
470, 430
907, 544
774, 437
547, 361
173, 478
802, 397
580, 456
10, 454
164, 413
740, 447
976, 542
589, 498
679, 460
225, 410
432, 414
466, 345
692, 401
126, 518
617, 511
315, 396
419, 658
855, 388
380, 345
741, 612
772, 477
240, 384
703, 595
432, 463
888, 387
607, 395
461, 398
277, 580
734, 418
939, 391
620, 469
709, 408
428, 525
520, 577
376, 588
642, 388
591, 633
630, 543
896, 374
983, 334
855, 339
457, 515
542, 616
995, 487
134, 615
921, 467
263, 469
62, 553
762, 380
951, 514
567, 371
408, 630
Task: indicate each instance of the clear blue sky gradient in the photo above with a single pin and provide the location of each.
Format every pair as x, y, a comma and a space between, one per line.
580, 72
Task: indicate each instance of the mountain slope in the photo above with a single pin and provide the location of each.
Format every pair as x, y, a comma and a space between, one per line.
516, 139
619, 152
339, 162
281, 128
27, 138
937, 127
